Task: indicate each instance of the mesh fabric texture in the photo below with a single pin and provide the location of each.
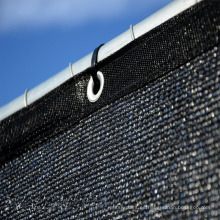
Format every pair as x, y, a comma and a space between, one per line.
149, 148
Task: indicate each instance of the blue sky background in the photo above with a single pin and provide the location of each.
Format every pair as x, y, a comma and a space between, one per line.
38, 38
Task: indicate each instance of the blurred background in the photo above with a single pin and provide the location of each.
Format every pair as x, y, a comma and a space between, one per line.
38, 38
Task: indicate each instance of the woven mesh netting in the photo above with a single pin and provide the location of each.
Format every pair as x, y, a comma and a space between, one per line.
151, 153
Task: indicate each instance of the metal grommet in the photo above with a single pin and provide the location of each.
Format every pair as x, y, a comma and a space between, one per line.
25, 98
90, 94
96, 78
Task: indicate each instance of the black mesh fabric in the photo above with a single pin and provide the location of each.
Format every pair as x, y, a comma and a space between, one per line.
149, 148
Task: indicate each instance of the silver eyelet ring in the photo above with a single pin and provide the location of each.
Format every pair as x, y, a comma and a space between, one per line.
91, 96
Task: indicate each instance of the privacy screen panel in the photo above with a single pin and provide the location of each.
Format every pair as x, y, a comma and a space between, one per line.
148, 148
